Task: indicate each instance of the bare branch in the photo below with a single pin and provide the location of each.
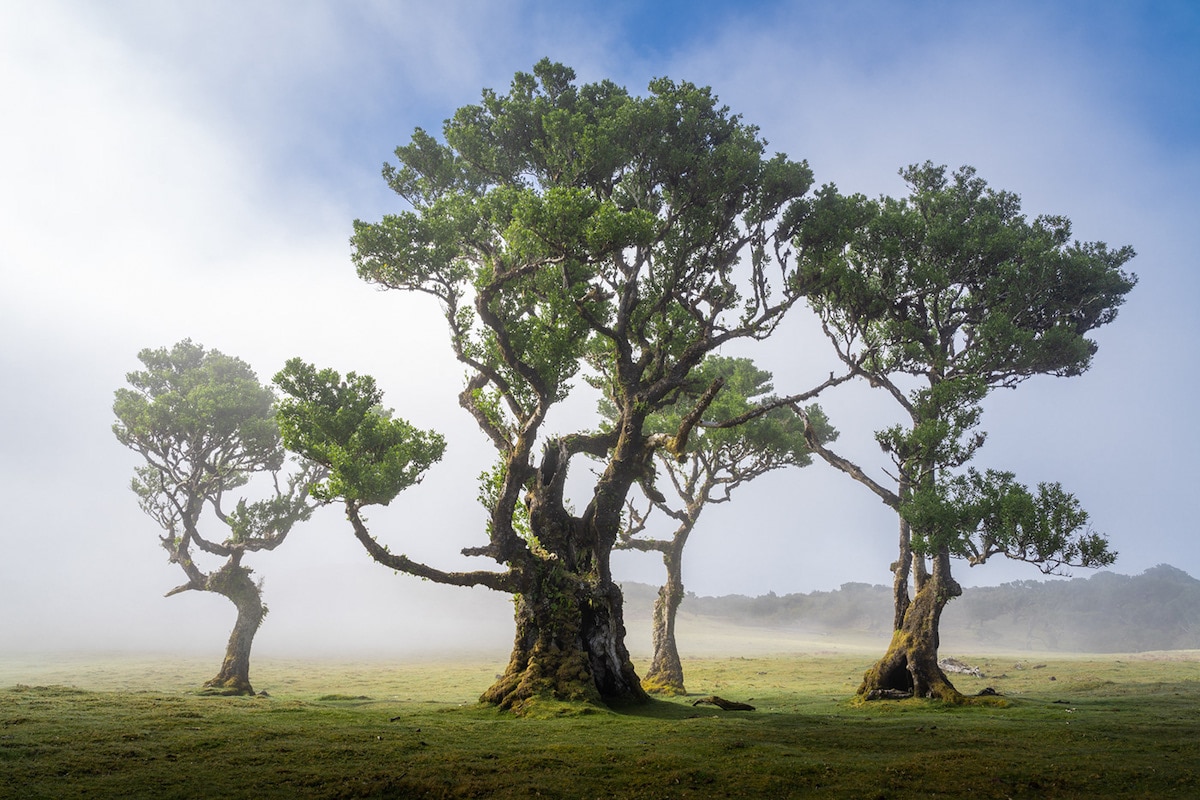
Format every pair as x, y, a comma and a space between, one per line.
853, 470
500, 581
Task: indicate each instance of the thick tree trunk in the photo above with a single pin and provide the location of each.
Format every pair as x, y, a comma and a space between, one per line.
665, 675
911, 661
570, 639
233, 581
570, 645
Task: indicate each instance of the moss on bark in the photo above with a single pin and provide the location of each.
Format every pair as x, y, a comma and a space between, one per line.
569, 646
911, 661
665, 675
233, 581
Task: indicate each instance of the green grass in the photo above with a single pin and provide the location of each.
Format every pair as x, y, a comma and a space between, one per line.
1122, 726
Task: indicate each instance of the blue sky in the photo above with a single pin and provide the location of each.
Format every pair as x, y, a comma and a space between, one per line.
192, 170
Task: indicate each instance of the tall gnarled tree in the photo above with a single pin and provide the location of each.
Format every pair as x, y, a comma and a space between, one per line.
205, 427
716, 462
577, 232
937, 299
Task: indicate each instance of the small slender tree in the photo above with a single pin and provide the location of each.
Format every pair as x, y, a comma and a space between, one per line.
717, 461
205, 427
573, 232
937, 299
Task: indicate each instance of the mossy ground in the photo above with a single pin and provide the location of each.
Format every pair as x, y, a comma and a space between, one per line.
1089, 727
663, 688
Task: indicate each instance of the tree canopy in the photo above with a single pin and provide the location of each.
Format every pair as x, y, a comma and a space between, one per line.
953, 282
578, 234
944, 295
370, 456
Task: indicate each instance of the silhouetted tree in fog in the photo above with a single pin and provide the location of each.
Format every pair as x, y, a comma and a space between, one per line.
205, 427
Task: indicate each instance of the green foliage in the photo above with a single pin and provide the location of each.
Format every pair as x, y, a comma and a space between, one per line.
564, 225
259, 519
955, 280
205, 425
199, 417
954, 287
717, 457
775, 438
979, 515
339, 424
777, 435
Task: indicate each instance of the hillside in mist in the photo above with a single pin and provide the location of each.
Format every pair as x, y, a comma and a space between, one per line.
1105, 613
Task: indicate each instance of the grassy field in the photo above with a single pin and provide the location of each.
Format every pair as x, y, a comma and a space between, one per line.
1095, 727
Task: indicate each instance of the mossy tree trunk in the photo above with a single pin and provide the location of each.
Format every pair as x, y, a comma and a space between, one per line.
569, 646
570, 631
233, 581
665, 675
911, 661
570, 628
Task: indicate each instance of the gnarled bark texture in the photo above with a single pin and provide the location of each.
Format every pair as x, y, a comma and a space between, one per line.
665, 675
570, 628
569, 645
911, 661
234, 582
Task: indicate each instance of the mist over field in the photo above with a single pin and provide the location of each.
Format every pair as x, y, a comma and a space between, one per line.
381, 615
178, 170
1104, 613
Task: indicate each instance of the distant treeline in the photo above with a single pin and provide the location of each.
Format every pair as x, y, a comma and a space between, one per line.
1105, 613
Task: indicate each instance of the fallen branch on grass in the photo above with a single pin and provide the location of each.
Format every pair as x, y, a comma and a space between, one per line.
723, 704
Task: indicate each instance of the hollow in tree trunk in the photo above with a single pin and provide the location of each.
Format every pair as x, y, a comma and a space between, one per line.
911, 661
233, 581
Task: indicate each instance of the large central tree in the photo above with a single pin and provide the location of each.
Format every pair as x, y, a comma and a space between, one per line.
577, 233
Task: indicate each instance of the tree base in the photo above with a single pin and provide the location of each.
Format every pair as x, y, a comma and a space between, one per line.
568, 648
665, 676
664, 686
227, 688
908, 669
561, 677
911, 661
